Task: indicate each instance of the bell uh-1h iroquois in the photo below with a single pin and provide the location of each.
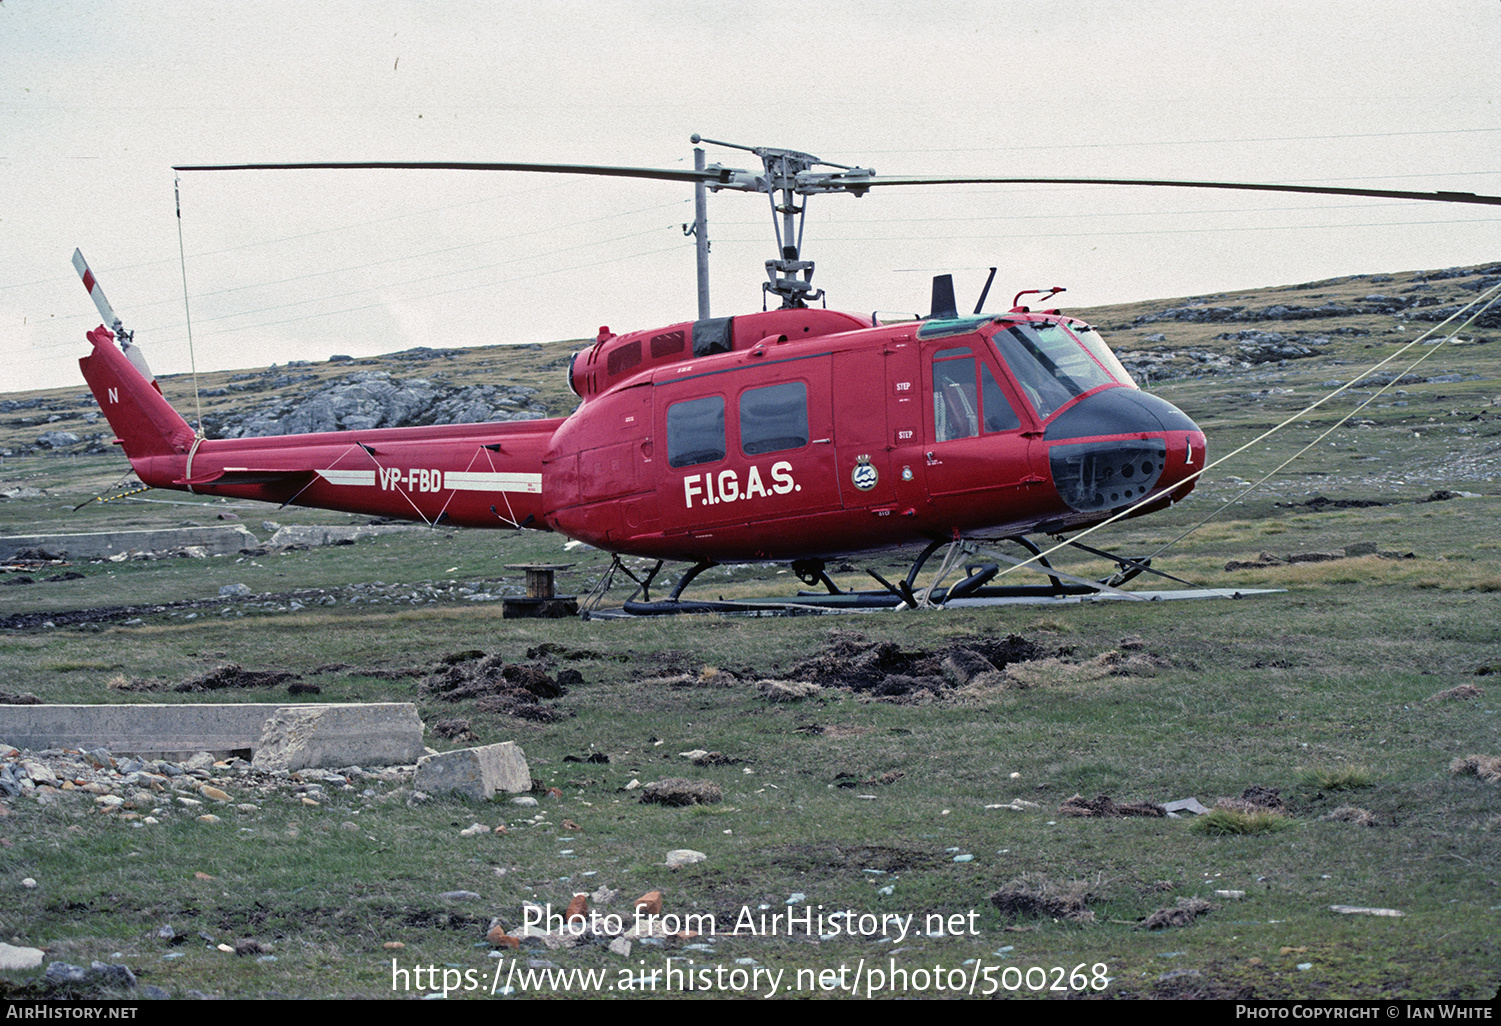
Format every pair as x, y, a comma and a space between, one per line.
792, 434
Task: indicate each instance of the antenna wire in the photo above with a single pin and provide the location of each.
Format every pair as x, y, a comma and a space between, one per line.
187, 313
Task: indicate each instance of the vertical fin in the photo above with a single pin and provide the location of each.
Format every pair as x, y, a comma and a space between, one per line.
143, 420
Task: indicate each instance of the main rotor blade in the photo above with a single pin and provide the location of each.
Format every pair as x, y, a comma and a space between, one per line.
1318, 190
739, 179
666, 174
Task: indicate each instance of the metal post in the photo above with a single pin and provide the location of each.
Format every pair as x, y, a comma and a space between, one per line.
701, 234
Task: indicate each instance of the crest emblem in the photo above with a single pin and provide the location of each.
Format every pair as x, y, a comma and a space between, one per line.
864, 476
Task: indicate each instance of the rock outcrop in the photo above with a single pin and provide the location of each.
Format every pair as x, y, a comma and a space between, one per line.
370, 399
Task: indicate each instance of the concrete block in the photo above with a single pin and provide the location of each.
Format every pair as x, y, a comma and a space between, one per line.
224, 540
475, 772
147, 730
13, 958
330, 736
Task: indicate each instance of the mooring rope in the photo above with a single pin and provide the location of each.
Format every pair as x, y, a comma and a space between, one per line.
1479, 305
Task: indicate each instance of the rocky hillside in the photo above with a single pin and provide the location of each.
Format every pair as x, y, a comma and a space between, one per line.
1235, 331
304, 403
1160, 340
413, 387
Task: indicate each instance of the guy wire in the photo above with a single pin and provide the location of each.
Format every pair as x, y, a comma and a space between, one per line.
1433, 348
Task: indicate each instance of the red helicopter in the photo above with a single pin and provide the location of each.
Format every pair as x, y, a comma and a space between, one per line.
793, 434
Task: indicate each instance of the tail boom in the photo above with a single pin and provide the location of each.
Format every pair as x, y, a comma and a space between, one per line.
472, 475
469, 475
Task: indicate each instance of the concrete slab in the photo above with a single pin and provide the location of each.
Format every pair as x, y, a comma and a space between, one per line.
317, 534
172, 730
224, 540
475, 772
330, 736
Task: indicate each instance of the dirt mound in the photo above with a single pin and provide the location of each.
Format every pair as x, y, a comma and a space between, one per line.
1104, 808
489, 676
1034, 896
1349, 814
1254, 799
455, 730
1181, 914
1486, 767
681, 791
510, 689
967, 670
883, 670
1319, 503
715, 759
232, 675
1459, 693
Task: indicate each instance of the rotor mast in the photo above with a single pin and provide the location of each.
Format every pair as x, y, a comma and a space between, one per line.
788, 175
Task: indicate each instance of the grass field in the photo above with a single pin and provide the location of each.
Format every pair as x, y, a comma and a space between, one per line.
1324, 692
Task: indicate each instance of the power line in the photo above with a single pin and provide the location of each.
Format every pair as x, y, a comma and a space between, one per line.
321, 231
1010, 147
447, 292
415, 281
552, 229
1145, 231
172, 339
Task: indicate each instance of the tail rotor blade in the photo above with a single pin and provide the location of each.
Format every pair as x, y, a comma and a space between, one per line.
112, 321
96, 293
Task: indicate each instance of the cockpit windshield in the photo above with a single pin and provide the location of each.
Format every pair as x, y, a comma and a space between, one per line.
1052, 366
1087, 334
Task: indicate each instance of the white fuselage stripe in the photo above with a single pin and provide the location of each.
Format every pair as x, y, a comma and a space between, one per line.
457, 480
491, 481
348, 477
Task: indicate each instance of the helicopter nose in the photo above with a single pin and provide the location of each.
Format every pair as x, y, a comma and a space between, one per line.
1095, 469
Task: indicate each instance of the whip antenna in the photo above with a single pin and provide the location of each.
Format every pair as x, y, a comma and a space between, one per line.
187, 314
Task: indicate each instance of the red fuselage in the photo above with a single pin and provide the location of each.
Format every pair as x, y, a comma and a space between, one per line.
780, 435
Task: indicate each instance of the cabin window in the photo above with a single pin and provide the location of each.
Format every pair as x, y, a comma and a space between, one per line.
695, 431
999, 416
669, 343
956, 409
964, 405
774, 419
624, 358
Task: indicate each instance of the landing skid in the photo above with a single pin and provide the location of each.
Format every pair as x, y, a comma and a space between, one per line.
973, 589
873, 602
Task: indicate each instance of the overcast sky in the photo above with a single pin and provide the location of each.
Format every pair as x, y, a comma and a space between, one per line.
99, 99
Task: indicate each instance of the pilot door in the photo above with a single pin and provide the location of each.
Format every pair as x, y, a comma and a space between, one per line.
977, 455
879, 428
